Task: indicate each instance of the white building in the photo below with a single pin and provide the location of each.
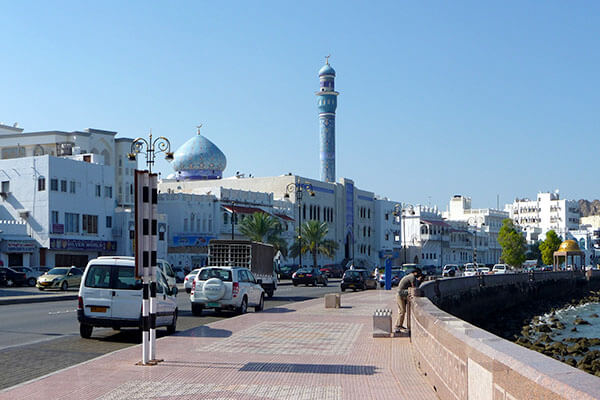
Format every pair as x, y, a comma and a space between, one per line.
485, 222
546, 212
349, 212
66, 207
388, 230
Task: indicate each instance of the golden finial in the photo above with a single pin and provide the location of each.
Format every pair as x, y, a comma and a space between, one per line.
198, 127
327, 59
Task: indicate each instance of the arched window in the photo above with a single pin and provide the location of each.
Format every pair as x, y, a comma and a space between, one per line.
106, 156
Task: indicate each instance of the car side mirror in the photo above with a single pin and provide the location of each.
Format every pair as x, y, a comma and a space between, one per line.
259, 281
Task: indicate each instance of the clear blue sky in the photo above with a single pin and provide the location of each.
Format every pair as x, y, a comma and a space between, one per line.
437, 98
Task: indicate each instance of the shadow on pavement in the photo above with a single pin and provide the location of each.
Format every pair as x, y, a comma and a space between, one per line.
205, 331
278, 310
338, 369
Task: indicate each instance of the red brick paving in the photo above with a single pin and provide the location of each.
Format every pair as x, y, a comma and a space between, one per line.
300, 351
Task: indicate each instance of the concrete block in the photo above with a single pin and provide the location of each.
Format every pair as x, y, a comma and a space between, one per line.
382, 323
332, 300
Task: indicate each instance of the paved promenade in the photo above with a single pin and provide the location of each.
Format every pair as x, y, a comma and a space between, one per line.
300, 351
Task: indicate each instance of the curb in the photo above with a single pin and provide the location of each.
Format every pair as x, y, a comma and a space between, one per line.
36, 299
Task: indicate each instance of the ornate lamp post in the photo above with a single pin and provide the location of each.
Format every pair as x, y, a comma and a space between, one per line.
297, 189
152, 147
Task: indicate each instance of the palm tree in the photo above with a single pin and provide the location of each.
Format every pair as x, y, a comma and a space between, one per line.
262, 227
313, 240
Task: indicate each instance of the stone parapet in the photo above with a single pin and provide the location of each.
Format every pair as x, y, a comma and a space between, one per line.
463, 361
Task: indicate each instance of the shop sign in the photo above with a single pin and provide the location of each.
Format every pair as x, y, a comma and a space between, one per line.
20, 246
83, 245
191, 240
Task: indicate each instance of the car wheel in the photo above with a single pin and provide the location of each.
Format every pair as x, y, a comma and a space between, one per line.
31, 281
261, 304
64, 286
171, 329
243, 308
343, 289
85, 330
9, 283
295, 284
188, 290
41, 289
197, 309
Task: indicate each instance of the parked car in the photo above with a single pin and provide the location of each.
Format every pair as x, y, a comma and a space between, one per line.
483, 271
397, 274
111, 296
31, 274
358, 279
231, 288
309, 276
332, 271
286, 271
470, 269
167, 272
60, 278
450, 270
500, 269
11, 277
189, 280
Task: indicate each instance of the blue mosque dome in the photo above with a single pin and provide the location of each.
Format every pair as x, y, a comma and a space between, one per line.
199, 158
326, 70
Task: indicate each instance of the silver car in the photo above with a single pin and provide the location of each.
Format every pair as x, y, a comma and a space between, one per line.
189, 280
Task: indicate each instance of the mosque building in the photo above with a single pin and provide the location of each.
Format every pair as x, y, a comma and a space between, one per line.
348, 211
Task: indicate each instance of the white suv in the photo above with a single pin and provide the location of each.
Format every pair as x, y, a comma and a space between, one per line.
110, 296
230, 288
500, 269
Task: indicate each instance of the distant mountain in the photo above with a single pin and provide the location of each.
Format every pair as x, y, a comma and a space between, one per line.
589, 207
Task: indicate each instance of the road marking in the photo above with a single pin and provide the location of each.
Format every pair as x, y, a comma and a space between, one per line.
60, 312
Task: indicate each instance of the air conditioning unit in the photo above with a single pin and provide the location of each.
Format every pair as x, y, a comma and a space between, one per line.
23, 214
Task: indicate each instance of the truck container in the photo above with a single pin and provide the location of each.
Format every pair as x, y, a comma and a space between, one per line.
256, 256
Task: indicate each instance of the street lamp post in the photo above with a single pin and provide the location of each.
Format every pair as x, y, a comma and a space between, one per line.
232, 219
149, 148
297, 189
161, 143
473, 221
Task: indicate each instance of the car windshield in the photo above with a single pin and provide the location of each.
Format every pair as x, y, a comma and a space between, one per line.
222, 274
469, 269
483, 269
305, 270
58, 271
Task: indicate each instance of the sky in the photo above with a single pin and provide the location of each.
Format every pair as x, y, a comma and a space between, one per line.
485, 99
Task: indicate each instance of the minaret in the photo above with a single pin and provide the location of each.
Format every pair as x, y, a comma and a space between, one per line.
327, 104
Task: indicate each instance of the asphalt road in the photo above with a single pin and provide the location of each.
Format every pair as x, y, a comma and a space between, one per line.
40, 338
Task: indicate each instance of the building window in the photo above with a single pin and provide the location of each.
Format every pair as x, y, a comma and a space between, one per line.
161, 235
90, 224
54, 185
72, 186
41, 184
225, 218
98, 191
108, 192
185, 224
63, 186
387, 216
55, 217
71, 223
108, 221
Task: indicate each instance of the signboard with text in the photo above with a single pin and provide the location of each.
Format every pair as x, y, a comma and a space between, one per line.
83, 245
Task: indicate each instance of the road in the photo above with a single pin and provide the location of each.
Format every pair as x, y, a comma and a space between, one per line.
39, 338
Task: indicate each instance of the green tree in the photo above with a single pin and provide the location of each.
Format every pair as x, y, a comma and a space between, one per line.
313, 241
513, 244
549, 246
262, 227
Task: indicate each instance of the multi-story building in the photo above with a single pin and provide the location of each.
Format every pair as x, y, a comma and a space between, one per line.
484, 222
546, 212
66, 204
388, 230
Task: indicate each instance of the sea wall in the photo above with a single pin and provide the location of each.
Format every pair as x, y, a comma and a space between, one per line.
463, 361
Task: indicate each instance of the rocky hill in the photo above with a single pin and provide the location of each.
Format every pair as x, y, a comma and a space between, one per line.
589, 207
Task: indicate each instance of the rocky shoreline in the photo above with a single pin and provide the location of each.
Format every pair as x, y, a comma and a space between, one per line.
540, 334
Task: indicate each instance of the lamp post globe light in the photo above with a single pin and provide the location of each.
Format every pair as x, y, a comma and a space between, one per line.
150, 148
297, 188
